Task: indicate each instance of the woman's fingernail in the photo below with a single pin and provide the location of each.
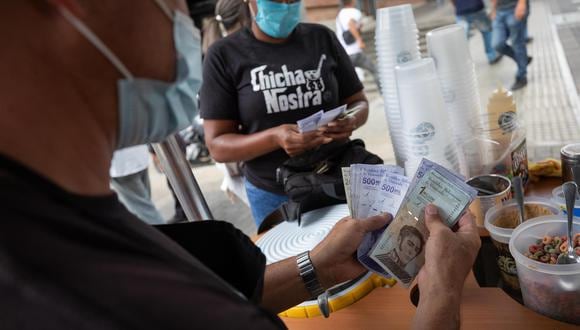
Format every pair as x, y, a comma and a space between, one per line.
431, 209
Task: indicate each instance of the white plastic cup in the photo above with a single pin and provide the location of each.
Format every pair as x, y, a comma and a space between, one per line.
395, 16
449, 47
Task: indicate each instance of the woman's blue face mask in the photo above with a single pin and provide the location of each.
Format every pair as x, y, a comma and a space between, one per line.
277, 19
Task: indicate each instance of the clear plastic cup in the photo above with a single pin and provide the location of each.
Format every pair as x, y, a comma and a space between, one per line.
449, 47
559, 199
401, 15
500, 222
552, 290
411, 73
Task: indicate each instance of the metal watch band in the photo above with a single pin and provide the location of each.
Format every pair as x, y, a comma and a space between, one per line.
308, 274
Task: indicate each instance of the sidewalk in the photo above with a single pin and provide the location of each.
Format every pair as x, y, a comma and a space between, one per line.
548, 104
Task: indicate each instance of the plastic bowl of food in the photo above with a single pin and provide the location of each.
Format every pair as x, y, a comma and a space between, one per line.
500, 222
549, 289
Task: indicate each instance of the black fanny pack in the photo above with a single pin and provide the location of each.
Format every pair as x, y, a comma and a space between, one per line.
314, 179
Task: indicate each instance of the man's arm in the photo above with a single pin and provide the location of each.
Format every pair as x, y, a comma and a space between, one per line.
333, 259
493, 9
521, 10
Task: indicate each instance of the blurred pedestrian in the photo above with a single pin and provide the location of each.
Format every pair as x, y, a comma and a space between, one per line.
230, 16
179, 214
509, 22
130, 180
471, 13
348, 32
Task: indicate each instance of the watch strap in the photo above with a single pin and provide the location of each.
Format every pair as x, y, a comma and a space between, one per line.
308, 274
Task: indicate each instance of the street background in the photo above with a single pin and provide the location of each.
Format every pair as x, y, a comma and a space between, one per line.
549, 104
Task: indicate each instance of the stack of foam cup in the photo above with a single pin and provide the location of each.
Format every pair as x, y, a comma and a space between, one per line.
397, 42
424, 117
449, 48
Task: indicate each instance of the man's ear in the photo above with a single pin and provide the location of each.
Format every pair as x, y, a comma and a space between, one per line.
72, 5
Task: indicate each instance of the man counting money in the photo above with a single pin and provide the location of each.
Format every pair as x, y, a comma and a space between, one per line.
71, 256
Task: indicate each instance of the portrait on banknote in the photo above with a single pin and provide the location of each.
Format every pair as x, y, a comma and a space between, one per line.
402, 249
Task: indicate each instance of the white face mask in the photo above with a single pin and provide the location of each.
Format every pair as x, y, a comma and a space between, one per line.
151, 110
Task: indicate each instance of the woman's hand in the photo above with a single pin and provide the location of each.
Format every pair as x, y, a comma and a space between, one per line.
294, 143
340, 129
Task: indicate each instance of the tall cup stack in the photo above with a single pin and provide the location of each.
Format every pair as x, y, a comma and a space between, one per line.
424, 117
397, 42
449, 48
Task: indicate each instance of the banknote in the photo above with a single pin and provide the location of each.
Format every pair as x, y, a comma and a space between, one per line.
400, 248
365, 182
346, 183
331, 115
310, 123
392, 189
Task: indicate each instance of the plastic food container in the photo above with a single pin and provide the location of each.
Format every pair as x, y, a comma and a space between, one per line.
558, 199
500, 221
552, 290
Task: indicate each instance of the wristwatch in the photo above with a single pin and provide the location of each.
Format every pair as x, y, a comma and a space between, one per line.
308, 274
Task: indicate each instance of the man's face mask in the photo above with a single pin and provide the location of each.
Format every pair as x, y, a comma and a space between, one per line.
151, 110
277, 19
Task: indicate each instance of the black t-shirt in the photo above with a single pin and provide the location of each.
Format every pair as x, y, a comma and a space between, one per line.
263, 85
506, 4
75, 262
464, 7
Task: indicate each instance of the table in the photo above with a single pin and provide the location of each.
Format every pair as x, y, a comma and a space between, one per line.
481, 308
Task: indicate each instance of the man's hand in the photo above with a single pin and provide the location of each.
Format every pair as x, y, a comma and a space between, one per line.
449, 257
335, 257
339, 129
294, 143
361, 44
521, 10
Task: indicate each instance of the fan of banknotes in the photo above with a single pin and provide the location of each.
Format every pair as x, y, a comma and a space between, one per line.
398, 250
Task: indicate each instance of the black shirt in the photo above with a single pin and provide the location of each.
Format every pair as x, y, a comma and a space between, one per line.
263, 85
75, 262
506, 4
465, 7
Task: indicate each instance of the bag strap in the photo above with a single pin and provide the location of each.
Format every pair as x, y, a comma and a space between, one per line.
333, 189
291, 211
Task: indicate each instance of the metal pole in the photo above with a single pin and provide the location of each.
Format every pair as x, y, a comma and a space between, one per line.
182, 180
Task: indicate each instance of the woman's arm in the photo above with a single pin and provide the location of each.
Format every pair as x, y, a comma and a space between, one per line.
226, 144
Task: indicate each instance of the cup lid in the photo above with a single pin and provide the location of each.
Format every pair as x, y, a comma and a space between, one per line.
571, 150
